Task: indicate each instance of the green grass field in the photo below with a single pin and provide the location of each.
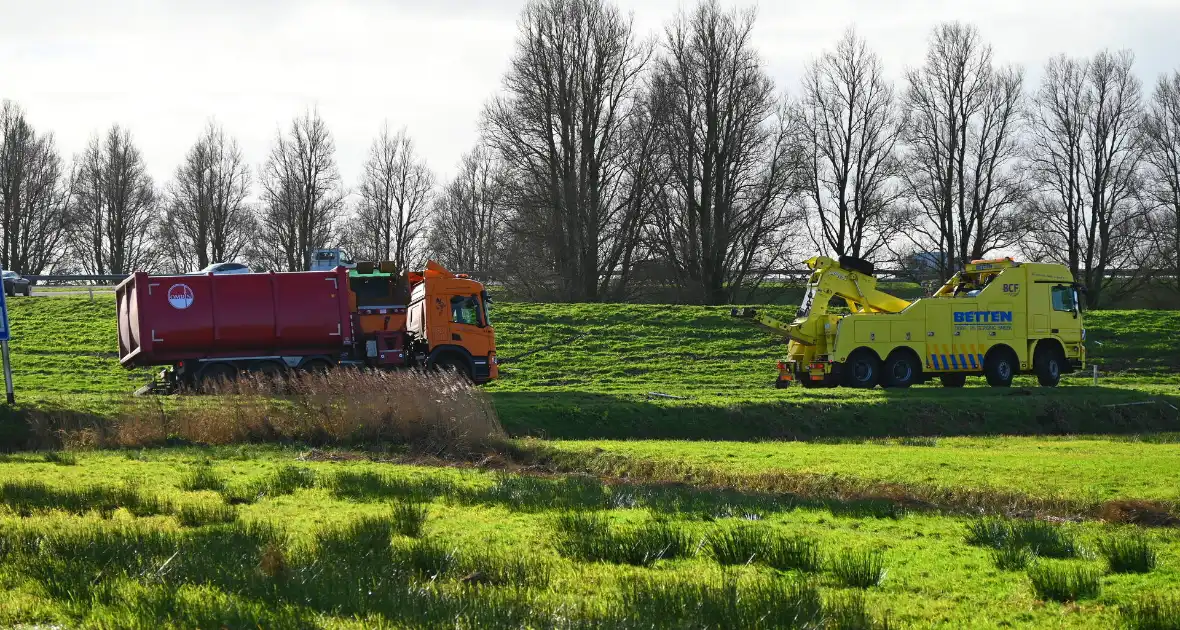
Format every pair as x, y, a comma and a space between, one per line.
655, 451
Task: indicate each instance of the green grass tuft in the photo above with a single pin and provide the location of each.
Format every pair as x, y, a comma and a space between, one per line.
1045, 539
724, 602
762, 544
202, 478
286, 480
1065, 583
198, 514
1129, 554
847, 611
588, 536
988, 532
1012, 557
858, 569
502, 567
408, 519
1153, 613
432, 559
61, 458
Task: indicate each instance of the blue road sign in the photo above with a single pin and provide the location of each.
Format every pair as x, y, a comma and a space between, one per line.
5, 333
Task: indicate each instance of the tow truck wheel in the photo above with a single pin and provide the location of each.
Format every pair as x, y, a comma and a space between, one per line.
953, 380
999, 367
901, 370
862, 370
1048, 366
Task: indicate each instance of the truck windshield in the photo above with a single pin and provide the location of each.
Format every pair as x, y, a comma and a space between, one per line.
1063, 299
465, 310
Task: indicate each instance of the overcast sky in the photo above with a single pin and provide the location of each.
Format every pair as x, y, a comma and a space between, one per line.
163, 68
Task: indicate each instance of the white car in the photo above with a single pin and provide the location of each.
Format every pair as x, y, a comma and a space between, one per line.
222, 269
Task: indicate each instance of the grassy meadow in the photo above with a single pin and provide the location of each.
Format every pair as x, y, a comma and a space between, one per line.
655, 478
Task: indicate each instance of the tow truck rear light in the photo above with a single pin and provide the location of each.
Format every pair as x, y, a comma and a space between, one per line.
781, 366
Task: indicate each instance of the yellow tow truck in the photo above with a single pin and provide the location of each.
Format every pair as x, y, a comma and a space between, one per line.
996, 318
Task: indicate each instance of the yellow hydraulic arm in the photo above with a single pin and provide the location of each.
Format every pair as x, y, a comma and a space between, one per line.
829, 279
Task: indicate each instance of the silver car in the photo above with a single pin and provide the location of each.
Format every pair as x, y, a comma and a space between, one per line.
221, 269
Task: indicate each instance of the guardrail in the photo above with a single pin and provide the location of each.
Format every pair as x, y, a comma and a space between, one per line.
108, 278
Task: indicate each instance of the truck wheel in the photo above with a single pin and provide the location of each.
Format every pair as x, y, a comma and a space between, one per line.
1048, 366
953, 380
269, 372
216, 376
999, 367
448, 364
901, 370
316, 367
862, 370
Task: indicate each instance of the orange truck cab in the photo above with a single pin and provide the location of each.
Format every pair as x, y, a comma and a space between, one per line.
432, 318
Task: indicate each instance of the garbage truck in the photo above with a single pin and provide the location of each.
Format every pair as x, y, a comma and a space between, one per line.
215, 327
996, 318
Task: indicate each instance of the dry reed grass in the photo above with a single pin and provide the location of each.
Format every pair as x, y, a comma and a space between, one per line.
432, 413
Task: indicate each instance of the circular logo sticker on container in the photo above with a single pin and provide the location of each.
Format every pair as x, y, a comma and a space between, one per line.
180, 296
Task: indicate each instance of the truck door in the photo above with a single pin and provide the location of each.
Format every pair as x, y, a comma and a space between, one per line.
1064, 322
939, 329
469, 327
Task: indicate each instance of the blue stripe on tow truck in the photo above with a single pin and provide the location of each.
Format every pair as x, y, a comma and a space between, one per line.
963, 361
944, 366
972, 357
954, 362
934, 361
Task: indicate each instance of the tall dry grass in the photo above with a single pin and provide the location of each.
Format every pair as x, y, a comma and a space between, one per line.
433, 413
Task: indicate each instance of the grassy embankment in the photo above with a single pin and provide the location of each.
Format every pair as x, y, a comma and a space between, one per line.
612, 377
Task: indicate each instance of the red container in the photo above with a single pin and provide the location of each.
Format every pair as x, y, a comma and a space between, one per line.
166, 319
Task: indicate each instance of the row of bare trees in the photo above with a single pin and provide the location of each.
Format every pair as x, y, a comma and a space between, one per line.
106, 215
620, 161
610, 163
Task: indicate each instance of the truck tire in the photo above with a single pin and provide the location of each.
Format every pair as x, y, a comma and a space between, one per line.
999, 367
216, 376
269, 372
1048, 365
316, 367
901, 370
455, 365
862, 370
953, 380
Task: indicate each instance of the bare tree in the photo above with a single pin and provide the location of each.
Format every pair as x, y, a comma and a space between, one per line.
962, 173
569, 95
851, 125
34, 195
207, 218
116, 205
733, 171
1087, 155
396, 191
468, 223
1161, 131
302, 196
